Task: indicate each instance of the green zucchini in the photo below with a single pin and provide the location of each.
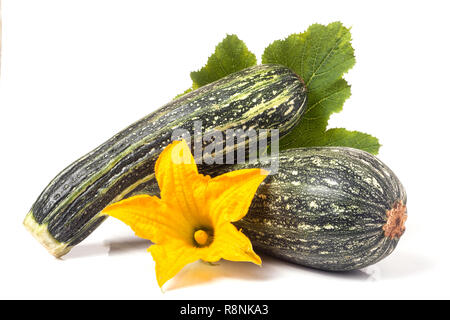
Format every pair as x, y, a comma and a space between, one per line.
68, 210
329, 208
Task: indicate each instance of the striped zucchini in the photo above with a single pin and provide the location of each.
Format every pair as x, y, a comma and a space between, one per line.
67, 211
329, 208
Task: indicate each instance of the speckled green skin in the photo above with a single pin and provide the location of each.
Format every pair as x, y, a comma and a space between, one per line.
68, 210
325, 208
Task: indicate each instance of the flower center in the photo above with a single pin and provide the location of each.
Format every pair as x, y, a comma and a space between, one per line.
203, 237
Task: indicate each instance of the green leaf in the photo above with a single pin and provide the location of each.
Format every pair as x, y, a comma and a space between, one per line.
320, 56
231, 55
354, 139
182, 94
312, 125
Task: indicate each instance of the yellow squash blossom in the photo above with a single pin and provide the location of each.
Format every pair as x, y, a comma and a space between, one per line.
192, 220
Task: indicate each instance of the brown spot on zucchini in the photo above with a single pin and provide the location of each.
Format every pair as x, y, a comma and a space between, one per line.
396, 218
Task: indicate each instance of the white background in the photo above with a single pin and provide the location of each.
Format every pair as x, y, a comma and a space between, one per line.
73, 73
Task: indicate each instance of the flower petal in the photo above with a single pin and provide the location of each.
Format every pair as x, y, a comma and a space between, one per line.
150, 218
178, 179
170, 259
230, 244
229, 195
135, 212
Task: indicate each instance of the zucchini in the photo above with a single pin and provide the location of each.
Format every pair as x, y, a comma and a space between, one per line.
68, 210
329, 208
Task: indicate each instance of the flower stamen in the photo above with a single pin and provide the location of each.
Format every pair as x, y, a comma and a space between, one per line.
203, 238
